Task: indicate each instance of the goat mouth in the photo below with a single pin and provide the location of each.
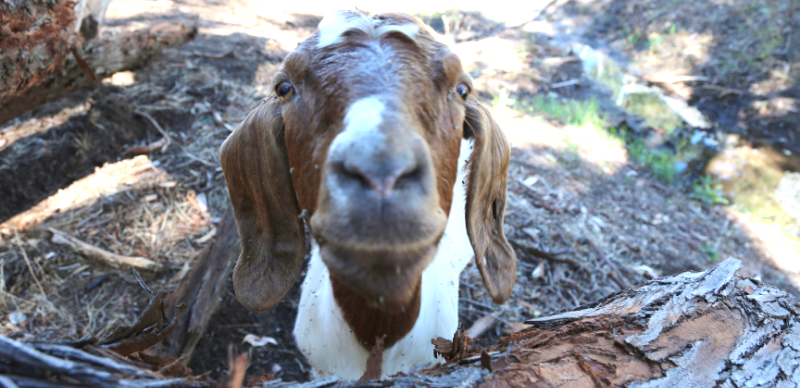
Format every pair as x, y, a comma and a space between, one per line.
387, 279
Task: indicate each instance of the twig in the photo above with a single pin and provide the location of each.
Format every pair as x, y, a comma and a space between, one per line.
558, 61
536, 201
163, 143
83, 64
617, 276
566, 83
143, 285
57, 350
236, 369
212, 56
146, 148
112, 259
5, 382
722, 234
552, 256
180, 359
725, 91
28, 263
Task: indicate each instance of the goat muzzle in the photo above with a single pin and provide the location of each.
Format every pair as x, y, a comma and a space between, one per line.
379, 218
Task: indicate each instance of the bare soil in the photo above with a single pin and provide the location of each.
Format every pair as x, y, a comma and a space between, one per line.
584, 219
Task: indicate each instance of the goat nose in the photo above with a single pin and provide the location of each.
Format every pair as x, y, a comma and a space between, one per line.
381, 173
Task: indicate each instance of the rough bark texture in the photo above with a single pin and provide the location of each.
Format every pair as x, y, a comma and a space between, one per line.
202, 287
35, 39
692, 330
37, 65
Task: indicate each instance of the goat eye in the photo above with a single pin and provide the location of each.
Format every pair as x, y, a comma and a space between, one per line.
283, 89
462, 91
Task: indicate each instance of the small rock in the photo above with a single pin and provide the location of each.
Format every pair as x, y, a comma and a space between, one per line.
257, 341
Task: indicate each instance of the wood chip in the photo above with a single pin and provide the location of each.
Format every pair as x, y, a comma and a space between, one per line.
482, 325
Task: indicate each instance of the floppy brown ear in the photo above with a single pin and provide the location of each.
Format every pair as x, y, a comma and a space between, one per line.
486, 201
256, 167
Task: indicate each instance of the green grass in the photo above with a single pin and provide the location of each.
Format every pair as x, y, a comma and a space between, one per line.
661, 163
570, 112
578, 113
711, 252
708, 191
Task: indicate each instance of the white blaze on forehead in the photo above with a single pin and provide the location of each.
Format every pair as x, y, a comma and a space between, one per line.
361, 122
332, 27
362, 118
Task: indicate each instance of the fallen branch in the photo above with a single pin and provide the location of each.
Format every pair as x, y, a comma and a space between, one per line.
202, 287
109, 258
552, 256
616, 276
162, 143
536, 201
565, 84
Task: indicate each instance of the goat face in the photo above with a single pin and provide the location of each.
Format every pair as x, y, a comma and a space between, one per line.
362, 140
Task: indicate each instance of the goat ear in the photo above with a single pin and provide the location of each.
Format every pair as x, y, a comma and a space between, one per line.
256, 168
486, 201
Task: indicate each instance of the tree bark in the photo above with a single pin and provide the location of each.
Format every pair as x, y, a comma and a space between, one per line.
202, 287
36, 37
708, 329
43, 58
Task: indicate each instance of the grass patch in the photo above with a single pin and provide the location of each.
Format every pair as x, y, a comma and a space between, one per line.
580, 113
661, 163
708, 191
570, 112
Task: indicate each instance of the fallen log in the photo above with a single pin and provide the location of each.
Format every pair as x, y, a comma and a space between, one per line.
704, 329
202, 287
43, 62
708, 329
35, 38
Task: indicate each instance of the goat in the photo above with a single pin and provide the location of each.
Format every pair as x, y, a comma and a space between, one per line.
373, 142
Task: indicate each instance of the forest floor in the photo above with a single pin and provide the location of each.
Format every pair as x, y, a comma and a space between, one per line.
589, 208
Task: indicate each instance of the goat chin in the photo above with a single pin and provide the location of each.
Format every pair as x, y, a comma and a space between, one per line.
324, 337
387, 280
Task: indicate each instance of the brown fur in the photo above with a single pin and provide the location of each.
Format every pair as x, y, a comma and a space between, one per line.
275, 166
273, 241
370, 323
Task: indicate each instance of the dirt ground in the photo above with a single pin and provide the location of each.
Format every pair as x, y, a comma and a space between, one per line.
585, 219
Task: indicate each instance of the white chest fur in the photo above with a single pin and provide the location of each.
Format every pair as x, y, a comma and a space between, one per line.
326, 339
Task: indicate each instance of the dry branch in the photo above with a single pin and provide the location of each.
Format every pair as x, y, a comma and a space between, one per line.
201, 288
92, 363
162, 143
103, 255
45, 75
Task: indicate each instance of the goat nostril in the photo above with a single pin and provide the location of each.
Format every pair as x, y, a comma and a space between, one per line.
407, 177
381, 180
352, 173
